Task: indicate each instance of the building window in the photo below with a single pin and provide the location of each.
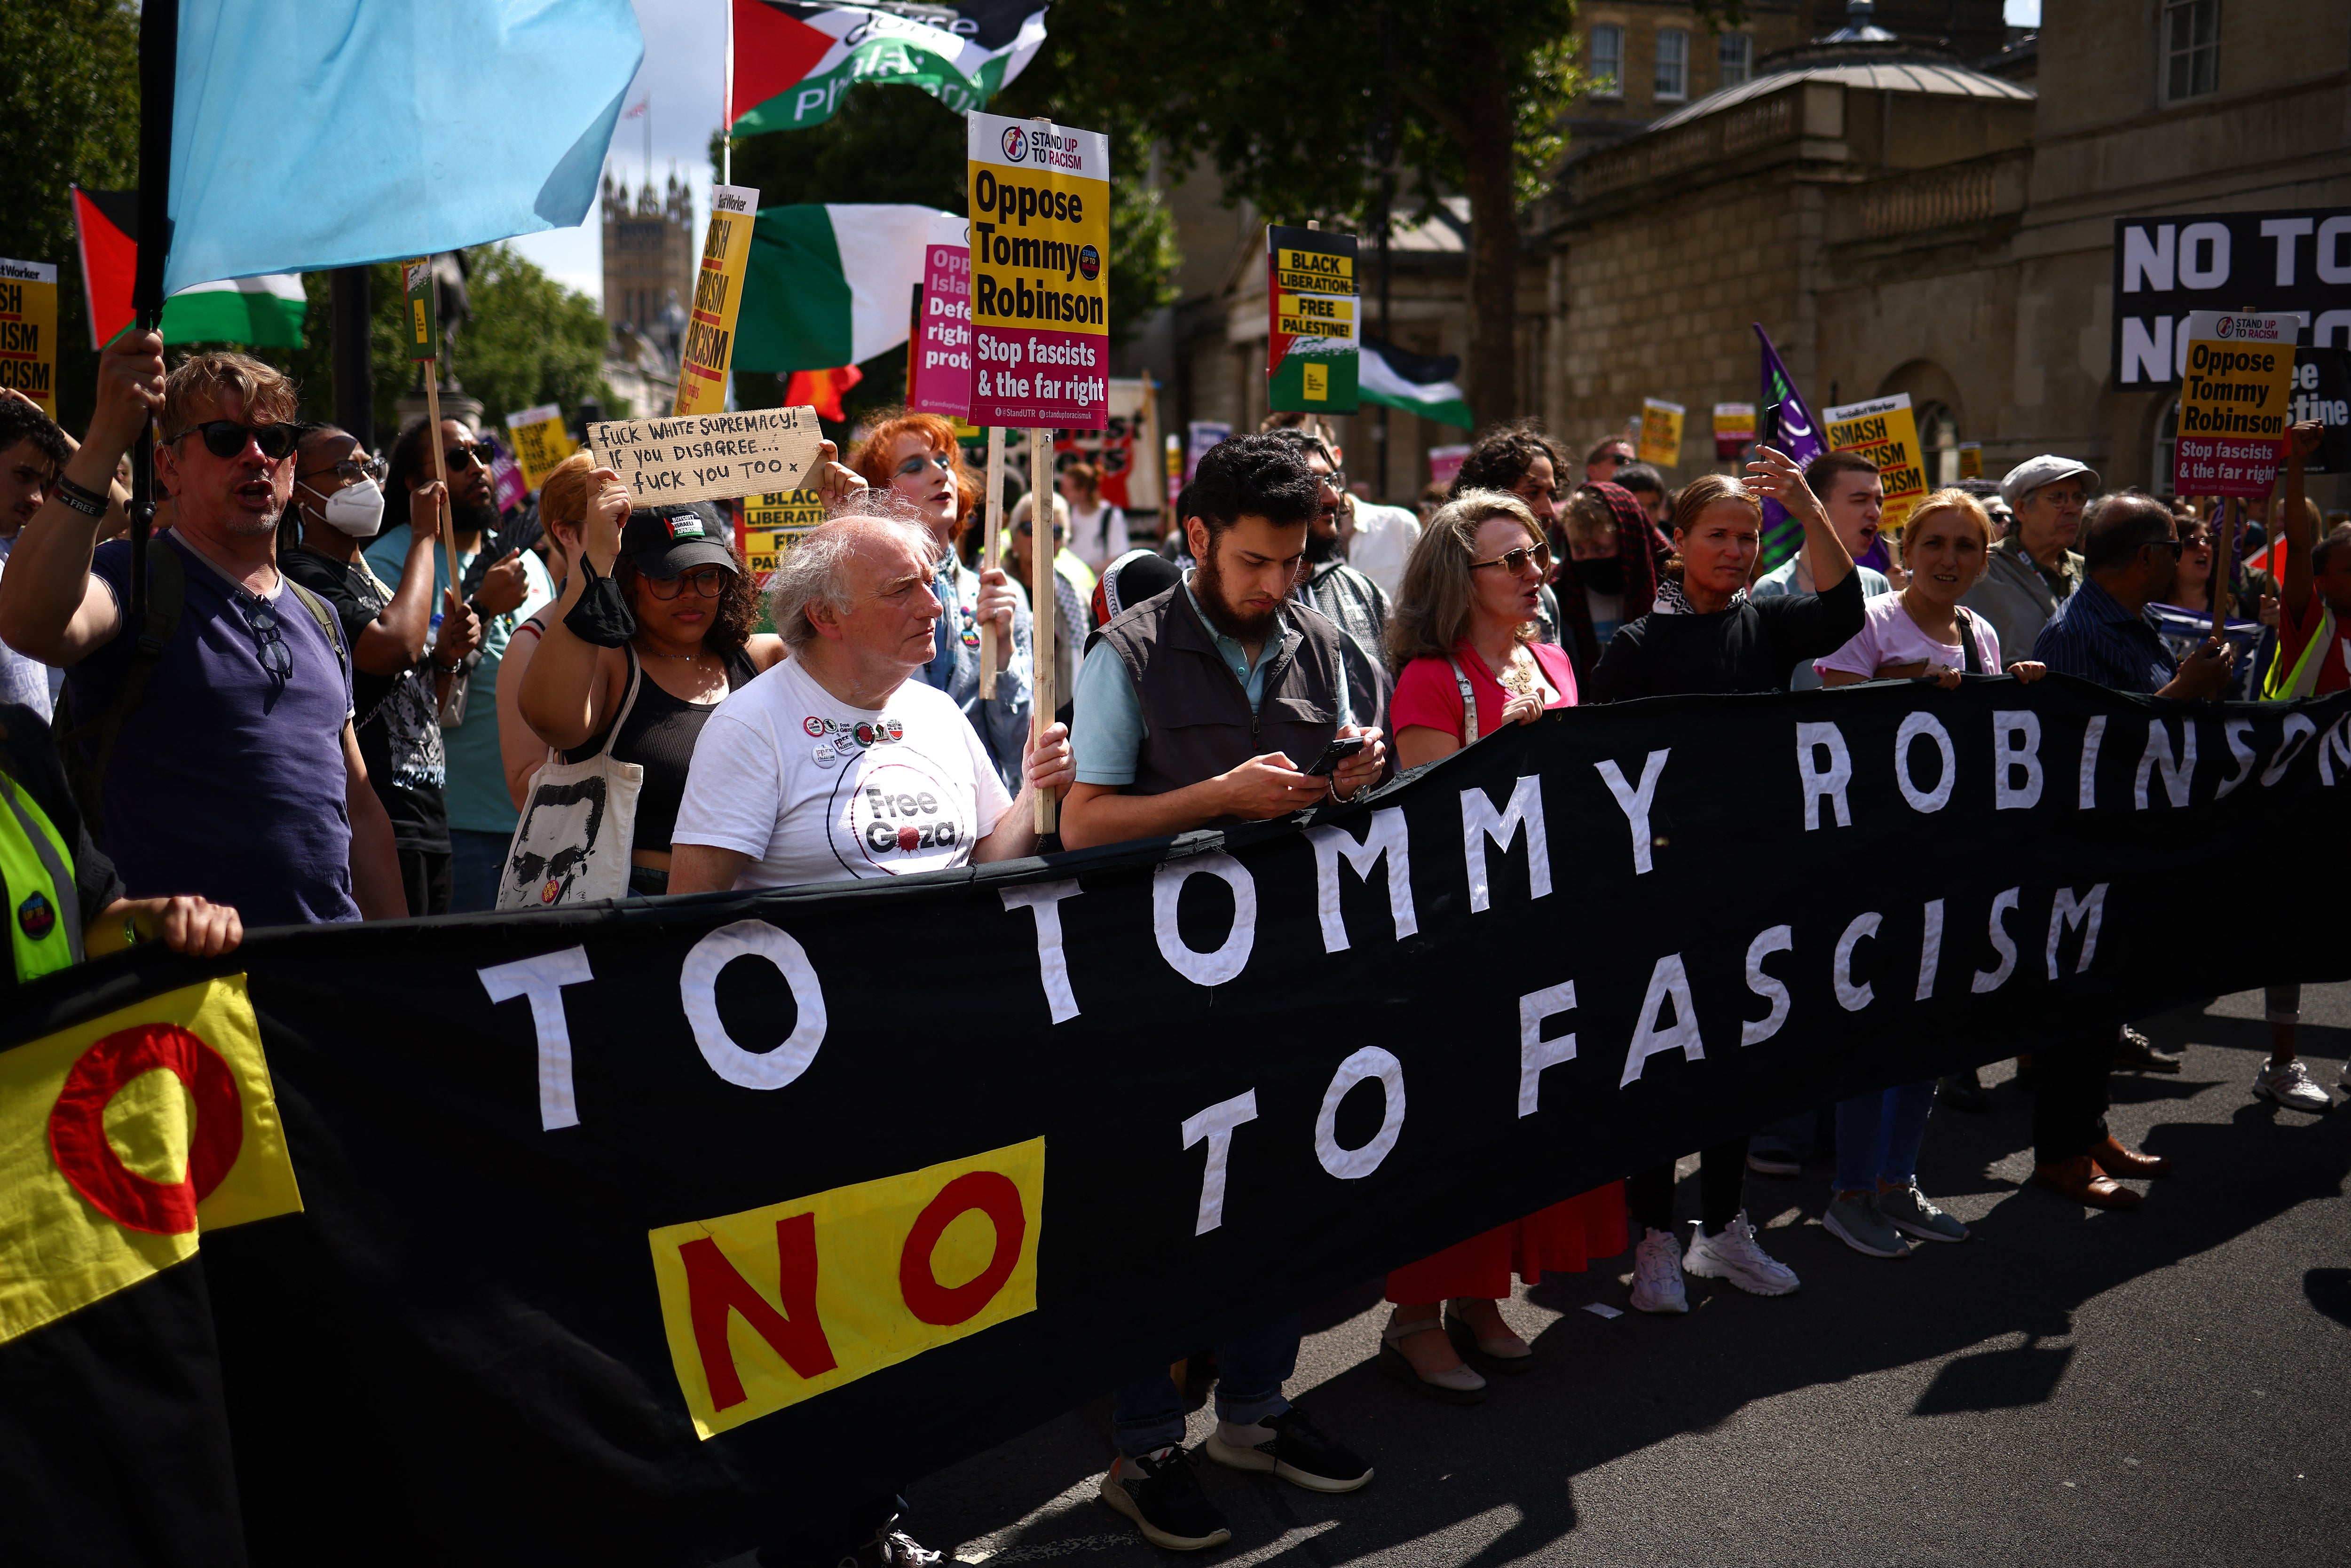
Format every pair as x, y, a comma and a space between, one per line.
1736, 54
2191, 49
1938, 443
1607, 68
1673, 64
2167, 437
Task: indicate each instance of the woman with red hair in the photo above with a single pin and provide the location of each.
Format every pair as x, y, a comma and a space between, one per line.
915, 457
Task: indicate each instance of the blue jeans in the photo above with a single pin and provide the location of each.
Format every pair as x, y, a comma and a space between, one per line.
1878, 1136
1250, 1370
476, 859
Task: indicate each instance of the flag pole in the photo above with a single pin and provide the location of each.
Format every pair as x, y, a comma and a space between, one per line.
726, 104
1041, 602
992, 554
159, 55
2224, 560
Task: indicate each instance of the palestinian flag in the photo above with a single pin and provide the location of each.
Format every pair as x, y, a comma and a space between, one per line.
265, 310
828, 285
794, 59
1413, 382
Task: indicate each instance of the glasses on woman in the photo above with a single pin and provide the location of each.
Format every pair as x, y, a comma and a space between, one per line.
354, 469
226, 437
1514, 561
269, 646
707, 582
942, 461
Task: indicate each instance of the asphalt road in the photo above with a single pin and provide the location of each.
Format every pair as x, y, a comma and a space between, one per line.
2068, 1386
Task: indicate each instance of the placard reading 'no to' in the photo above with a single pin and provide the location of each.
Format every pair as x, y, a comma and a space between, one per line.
709, 456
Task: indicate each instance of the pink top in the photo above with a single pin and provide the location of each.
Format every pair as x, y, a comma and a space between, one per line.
1888, 636
1427, 696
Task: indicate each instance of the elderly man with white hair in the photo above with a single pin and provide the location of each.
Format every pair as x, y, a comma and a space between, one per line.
837, 764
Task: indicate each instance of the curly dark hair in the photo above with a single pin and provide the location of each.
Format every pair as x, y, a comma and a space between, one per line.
738, 608
1503, 455
1259, 474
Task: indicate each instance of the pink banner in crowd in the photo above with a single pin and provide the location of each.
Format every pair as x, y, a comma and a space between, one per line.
941, 359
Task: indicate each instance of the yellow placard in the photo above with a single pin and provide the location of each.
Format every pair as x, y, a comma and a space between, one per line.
1314, 271
1885, 431
1317, 381
28, 332
540, 441
124, 1139
709, 346
1971, 459
2235, 400
1317, 316
1661, 432
774, 1305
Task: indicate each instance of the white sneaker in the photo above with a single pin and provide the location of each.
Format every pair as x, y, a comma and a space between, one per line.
1734, 1256
1657, 1275
2289, 1084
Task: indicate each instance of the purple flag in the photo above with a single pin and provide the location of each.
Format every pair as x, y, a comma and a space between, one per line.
1799, 436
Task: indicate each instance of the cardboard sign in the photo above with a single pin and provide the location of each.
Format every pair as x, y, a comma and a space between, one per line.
709, 456
2275, 263
2322, 390
1310, 349
1734, 428
424, 310
540, 441
1661, 432
709, 346
28, 332
940, 361
2235, 396
1885, 431
1971, 459
1039, 198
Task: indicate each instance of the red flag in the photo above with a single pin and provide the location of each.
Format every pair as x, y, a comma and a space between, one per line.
821, 389
106, 224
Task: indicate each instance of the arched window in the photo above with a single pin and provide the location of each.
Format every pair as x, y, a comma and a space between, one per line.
2167, 434
1939, 444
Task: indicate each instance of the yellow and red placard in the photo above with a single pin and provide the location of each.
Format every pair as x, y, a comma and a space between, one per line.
28, 332
1661, 432
771, 526
2234, 403
778, 1304
540, 442
709, 346
1885, 431
1039, 273
1734, 428
124, 1140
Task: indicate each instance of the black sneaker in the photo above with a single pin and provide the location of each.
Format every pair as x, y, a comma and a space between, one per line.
1160, 1492
2137, 1053
1292, 1448
1963, 1091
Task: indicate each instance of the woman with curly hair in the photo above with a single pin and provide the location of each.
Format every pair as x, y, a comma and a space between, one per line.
684, 644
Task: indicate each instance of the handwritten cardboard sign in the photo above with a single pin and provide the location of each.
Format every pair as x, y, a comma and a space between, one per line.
709, 456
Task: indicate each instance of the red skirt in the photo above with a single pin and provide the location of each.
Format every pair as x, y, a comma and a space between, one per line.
1556, 1240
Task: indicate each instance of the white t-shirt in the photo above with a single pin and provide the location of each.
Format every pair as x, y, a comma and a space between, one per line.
817, 791
1098, 538
1383, 543
1888, 636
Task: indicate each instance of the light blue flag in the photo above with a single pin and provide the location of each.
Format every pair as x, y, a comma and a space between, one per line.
316, 133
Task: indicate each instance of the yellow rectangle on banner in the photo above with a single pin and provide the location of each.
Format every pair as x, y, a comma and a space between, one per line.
1885, 431
123, 1139
28, 332
1661, 432
1322, 312
540, 441
709, 347
778, 1304
1315, 271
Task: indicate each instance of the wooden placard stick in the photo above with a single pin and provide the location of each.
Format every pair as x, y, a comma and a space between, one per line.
992, 554
441, 473
2224, 557
1040, 599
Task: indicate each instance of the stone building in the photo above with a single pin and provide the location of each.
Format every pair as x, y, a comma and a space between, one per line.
649, 253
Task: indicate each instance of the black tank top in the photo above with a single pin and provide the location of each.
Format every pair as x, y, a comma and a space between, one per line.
659, 737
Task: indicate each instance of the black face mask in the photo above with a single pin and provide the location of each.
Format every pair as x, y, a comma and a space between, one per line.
1604, 574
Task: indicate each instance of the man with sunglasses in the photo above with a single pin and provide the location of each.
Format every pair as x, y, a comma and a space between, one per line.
1600, 463
215, 735
503, 586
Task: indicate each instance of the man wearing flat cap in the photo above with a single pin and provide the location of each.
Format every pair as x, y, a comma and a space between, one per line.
2034, 568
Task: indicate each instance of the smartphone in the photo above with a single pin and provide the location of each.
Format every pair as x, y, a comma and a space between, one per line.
1335, 753
1767, 429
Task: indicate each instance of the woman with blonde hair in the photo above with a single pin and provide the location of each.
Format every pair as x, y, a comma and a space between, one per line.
1461, 638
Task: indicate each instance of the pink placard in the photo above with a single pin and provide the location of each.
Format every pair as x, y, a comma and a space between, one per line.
508, 486
941, 362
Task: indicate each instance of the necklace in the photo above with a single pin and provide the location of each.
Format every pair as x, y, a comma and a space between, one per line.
1516, 676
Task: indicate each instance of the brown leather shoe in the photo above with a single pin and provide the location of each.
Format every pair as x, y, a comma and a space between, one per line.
2117, 1160
2080, 1180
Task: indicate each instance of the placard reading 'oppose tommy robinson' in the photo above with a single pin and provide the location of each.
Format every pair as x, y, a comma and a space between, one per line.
709, 456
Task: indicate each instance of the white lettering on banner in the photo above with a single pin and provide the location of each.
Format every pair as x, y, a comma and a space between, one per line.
1669, 981
1827, 783
1215, 1125
2334, 744
2234, 731
1354, 1165
1930, 950
1994, 979
1043, 899
2177, 776
542, 980
1535, 1053
697, 985
2008, 725
1778, 940
1168, 892
2298, 730
1914, 725
1480, 822
2092, 734
1635, 802
1385, 835
2066, 913
1850, 997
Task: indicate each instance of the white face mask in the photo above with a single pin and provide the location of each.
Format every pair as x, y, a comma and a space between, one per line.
356, 509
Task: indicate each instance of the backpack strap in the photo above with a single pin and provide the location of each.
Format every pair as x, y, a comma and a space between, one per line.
328, 623
1468, 702
167, 592
1969, 647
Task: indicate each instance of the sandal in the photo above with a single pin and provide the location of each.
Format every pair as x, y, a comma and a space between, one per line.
1455, 1386
1513, 1356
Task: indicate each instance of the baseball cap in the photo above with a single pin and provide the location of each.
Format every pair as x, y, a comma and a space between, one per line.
663, 541
2045, 469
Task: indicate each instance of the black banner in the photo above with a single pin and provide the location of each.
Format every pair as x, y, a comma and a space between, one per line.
2274, 262
648, 1232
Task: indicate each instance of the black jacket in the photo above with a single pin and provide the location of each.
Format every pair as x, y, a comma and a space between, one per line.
1747, 648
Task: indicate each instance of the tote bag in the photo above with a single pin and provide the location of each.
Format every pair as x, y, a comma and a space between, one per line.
571, 844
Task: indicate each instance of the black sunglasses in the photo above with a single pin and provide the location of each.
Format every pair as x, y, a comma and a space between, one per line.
226, 438
460, 458
270, 647
1514, 561
2177, 546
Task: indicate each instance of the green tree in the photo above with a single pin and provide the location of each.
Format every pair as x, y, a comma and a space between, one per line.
1288, 99
72, 72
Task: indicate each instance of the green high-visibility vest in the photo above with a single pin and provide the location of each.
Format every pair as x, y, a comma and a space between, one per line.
44, 911
2285, 684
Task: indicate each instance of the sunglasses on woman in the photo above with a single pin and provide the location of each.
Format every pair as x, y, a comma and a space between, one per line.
1514, 561
226, 438
708, 581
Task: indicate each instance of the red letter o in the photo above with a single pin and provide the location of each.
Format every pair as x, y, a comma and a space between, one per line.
993, 1194
77, 1127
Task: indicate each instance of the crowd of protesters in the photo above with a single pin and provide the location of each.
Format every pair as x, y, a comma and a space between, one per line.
310, 721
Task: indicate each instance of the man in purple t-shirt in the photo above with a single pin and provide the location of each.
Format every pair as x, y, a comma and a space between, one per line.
236, 776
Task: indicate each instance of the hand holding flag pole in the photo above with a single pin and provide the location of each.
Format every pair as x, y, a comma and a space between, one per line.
424, 347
